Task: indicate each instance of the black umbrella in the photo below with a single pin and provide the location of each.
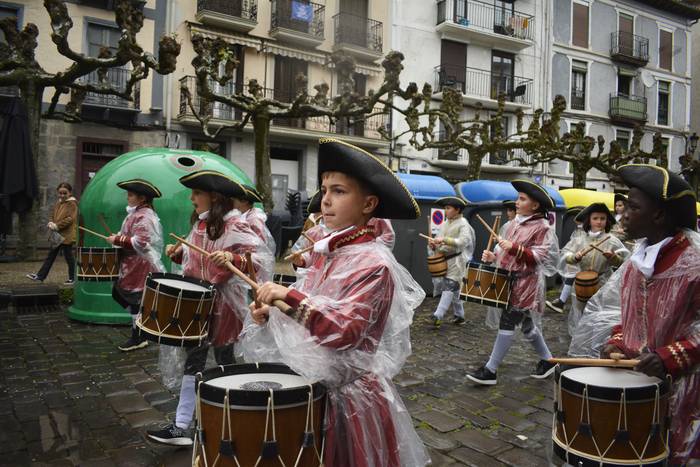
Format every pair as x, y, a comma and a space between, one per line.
18, 181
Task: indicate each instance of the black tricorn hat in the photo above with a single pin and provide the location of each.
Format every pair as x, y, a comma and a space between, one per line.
534, 191
211, 180
141, 187
595, 207
454, 201
251, 194
574, 211
508, 204
620, 197
665, 187
315, 203
395, 201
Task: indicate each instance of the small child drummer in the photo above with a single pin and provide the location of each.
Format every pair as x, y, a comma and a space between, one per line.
528, 248
254, 216
141, 241
349, 327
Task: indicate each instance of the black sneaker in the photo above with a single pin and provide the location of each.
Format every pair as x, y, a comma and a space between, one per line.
557, 305
172, 435
437, 322
134, 342
69, 282
34, 277
543, 369
458, 321
483, 376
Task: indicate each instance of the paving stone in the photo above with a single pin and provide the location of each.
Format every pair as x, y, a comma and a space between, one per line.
113, 388
149, 387
128, 403
437, 440
478, 441
117, 436
438, 459
440, 421
474, 458
55, 400
471, 403
26, 411
521, 458
513, 405
541, 417
133, 455
511, 421
143, 418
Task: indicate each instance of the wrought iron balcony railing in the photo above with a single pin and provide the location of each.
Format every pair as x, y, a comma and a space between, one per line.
486, 17
630, 48
117, 78
358, 30
245, 9
305, 17
629, 109
484, 84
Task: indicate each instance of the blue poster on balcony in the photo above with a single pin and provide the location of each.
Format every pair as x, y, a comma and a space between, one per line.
302, 11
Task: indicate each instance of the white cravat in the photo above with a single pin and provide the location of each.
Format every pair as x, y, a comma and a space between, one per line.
595, 234
323, 246
203, 216
520, 219
131, 209
645, 255
618, 217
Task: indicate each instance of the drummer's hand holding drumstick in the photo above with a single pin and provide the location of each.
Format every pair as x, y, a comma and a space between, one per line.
610, 350
266, 294
221, 257
172, 250
651, 365
609, 254
488, 256
111, 239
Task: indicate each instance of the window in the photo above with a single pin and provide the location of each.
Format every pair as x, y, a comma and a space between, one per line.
215, 147
286, 71
7, 12
665, 144
502, 70
663, 102
579, 71
623, 139
453, 65
577, 149
93, 154
624, 84
500, 157
579, 29
100, 36
666, 50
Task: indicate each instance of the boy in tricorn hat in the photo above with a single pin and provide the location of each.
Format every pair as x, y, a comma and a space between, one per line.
349, 325
529, 248
456, 241
141, 241
659, 292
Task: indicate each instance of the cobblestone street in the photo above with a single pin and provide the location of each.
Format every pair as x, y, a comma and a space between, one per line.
69, 397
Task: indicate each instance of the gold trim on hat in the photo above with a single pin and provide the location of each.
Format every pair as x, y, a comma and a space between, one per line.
416, 208
538, 186
664, 193
142, 182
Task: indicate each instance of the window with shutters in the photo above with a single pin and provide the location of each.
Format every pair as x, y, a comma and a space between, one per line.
500, 157
663, 102
579, 27
7, 12
287, 70
579, 70
623, 139
665, 50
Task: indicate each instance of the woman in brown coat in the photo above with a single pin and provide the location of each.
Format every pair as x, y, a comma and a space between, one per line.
63, 221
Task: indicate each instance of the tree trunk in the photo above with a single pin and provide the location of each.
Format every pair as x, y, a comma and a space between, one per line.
29, 221
580, 173
474, 165
263, 172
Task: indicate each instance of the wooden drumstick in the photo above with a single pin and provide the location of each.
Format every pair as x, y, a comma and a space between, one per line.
425, 236
595, 246
495, 228
251, 273
254, 285
307, 237
596, 362
103, 237
297, 253
104, 224
488, 227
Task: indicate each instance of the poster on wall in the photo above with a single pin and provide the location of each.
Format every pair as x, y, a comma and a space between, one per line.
437, 217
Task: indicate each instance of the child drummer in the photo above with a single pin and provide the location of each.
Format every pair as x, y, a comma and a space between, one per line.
578, 252
528, 248
141, 241
456, 241
217, 229
659, 293
349, 327
254, 216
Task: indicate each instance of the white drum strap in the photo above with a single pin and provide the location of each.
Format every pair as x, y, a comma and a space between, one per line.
199, 434
309, 435
270, 414
226, 427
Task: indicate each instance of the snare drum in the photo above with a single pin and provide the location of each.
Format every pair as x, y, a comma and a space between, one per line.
175, 310
487, 285
258, 414
586, 285
98, 264
283, 279
437, 265
610, 417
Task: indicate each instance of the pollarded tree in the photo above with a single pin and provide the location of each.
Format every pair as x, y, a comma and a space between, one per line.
215, 65
19, 67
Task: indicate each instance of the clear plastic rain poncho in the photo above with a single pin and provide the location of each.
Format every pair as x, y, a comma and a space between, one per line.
593, 261
528, 290
315, 233
658, 313
493, 314
145, 232
352, 333
256, 217
384, 231
231, 305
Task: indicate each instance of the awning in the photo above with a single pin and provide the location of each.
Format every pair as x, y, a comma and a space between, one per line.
231, 38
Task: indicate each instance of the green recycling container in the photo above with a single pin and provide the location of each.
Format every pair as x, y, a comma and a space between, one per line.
92, 301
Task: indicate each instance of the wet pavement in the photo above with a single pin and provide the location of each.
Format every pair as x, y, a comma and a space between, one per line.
69, 397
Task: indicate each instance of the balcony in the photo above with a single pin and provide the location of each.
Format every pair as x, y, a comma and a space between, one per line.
9, 91
358, 36
237, 15
117, 78
627, 110
485, 24
298, 22
493, 163
311, 127
483, 86
628, 48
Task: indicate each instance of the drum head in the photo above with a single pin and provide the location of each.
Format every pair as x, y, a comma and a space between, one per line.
609, 383
180, 284
175, 284
259, 381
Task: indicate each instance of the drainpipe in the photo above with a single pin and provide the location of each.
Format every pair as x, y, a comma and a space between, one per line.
168, 98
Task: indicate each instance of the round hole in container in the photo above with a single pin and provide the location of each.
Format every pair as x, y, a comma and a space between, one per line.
186, 161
